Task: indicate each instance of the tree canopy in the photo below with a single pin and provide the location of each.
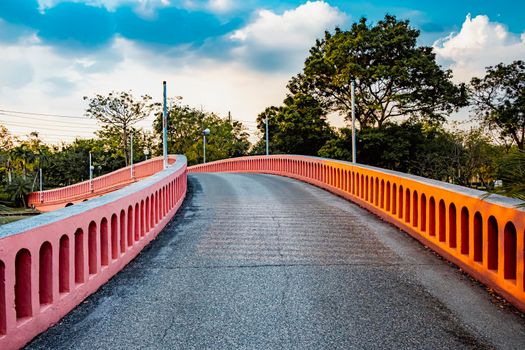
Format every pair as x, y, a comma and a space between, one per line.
393, 76
422, 149
185, 125
297, 127
118, 112
498, 100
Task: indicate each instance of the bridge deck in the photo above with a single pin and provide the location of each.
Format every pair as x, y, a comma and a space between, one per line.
259, 261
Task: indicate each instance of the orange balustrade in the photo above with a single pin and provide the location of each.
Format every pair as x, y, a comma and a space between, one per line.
59, 197
485, 237
51, 262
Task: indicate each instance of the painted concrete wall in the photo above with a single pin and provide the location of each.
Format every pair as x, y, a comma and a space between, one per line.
51, 262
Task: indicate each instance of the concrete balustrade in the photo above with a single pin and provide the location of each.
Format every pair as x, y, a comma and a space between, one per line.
60, 197
485, 237
50, 263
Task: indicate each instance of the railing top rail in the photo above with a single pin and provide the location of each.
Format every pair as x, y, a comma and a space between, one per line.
98, 178
470, 192
44, 219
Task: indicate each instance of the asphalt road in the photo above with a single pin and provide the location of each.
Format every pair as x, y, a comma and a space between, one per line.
264, 262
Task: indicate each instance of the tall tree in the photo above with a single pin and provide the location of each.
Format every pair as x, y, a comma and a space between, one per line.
498, 100
297, 127
118, 112
6, 140
6, 144
393, 76
18, 190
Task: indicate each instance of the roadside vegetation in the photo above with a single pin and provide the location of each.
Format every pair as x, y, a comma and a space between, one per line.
404, 101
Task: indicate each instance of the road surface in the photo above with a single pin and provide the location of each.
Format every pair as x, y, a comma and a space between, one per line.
265, 262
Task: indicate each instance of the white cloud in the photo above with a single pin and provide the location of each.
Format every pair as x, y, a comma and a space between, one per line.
479, 43
289, 35
59, 83
220, 6
142, 6
59, 80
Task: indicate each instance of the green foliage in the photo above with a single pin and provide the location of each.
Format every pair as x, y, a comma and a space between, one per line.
297, 127
66, 164
463, 158
185, 126
512, 173
498, 100
393, 76
59, 171
18, 190
6, 144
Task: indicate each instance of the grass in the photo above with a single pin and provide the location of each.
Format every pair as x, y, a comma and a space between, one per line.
8, 214
7, 219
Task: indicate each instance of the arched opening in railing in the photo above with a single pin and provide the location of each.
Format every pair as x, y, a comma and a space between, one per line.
147, 213
510, 251
130, 226
394, 199
23, 305
465, 240
114, 237
157, 206
432, 217
45, 274
142, 219
367, 188
152, 211
92, 248
407, 206
442, 222
3, 321
122, 231
377, 192
79, 256
452, 224
137, 222
423, 212
63, 265
492, 243
400, 204
383, 194
104, 243
478, 238
388, 195
415, 208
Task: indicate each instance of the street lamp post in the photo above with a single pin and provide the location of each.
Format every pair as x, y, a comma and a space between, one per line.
205, 133
90, 174
267, 138
41, 186
164, 128
131, 156
352, 89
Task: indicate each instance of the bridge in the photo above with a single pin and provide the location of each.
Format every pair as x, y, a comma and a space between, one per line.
268, 252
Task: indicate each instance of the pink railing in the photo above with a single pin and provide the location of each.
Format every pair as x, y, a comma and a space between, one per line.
100, 185
50, 263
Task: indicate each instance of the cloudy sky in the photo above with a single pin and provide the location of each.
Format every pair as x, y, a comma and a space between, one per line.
223, 55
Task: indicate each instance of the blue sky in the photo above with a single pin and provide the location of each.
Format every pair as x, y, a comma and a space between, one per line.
222, 54
90, 25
